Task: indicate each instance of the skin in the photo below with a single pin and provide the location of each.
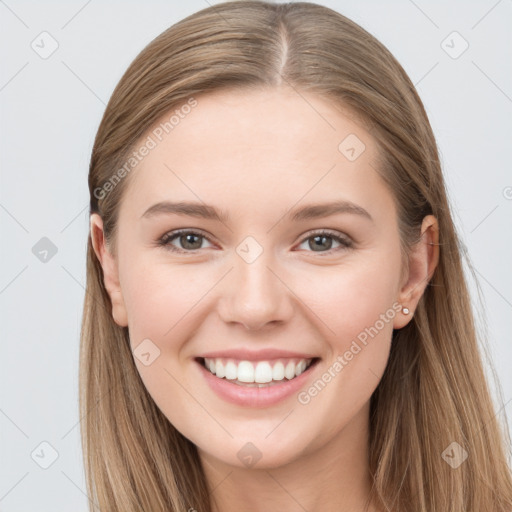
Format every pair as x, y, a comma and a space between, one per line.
257, 155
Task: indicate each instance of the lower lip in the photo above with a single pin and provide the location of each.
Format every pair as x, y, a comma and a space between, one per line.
254, 396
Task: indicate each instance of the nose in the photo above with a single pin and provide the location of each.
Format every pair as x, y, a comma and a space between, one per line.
255, 295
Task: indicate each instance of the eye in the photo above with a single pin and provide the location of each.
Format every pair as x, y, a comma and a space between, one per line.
190, 240
323, 240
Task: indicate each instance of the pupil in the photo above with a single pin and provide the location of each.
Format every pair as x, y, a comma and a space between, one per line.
187, 237
323, 238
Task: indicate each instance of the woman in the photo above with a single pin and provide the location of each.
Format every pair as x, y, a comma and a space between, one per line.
232, 357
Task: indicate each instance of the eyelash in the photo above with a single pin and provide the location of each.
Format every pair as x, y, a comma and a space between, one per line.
165, 240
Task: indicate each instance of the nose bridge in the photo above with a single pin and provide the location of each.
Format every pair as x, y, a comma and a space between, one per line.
255, 295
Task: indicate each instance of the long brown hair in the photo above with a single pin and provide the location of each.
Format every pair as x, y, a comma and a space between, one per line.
434, 390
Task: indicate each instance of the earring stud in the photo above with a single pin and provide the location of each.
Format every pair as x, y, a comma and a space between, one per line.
405, 311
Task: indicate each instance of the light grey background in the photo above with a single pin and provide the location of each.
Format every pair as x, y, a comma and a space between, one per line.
50, 110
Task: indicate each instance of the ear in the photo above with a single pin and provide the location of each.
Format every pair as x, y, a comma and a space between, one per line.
423, 260
110, 271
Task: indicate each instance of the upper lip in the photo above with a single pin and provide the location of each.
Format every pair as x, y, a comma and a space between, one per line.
256, 355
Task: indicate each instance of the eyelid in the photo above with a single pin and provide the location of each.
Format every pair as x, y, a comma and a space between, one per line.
327, 232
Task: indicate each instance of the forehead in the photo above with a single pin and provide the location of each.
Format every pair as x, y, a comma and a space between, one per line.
263, 145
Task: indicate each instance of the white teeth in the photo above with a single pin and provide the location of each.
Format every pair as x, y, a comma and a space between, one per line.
257, 373
263, 372
300, 368
278, 371
219, 370
289, 371
245, 371
231, 370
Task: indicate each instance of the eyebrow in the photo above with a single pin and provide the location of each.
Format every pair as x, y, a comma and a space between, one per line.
204, 211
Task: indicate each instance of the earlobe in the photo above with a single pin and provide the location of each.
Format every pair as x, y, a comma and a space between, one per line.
110, 270
423, 260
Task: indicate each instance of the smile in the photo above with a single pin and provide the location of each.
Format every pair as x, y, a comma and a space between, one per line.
256, 373
236, 380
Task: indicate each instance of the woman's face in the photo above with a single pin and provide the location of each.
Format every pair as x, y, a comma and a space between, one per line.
259, 284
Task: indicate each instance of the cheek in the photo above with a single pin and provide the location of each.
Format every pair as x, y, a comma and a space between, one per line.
162, 303
356, 305
350, 298
158, 297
